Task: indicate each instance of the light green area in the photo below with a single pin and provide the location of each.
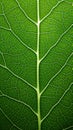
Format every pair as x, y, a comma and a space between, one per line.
36, 65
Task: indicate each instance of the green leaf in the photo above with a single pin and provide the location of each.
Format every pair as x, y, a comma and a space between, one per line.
36, 65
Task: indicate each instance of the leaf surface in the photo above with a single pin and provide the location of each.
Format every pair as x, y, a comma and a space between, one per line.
36, 65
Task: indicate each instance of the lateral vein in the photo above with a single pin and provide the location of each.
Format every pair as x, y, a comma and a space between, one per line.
10, 120
56, 74
66, 91
5, 67
56, 43
19, 101
58, 3
25, 13
11, 30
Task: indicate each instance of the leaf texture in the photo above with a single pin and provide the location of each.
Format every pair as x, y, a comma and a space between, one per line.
36, 65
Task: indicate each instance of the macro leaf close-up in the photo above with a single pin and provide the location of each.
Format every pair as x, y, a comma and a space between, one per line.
36, 64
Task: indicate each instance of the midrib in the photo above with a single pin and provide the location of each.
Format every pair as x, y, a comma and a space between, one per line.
38, 86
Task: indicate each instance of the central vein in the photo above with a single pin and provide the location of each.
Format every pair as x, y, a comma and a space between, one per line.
38, 59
